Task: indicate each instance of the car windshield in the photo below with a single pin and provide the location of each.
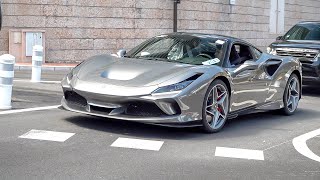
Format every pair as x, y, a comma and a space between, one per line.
304, 32
181, 49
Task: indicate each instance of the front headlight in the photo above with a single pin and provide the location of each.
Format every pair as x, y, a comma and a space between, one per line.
173, 87
73, 72
69, 77
268, 49
271, 50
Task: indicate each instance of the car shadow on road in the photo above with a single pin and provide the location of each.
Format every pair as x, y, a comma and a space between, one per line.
243, 126
311, 90
134, 129
271, 121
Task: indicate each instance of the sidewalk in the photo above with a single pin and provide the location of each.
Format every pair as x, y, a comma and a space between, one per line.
46, 66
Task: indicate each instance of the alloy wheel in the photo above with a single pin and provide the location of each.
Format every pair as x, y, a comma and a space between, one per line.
293, 94
217, 106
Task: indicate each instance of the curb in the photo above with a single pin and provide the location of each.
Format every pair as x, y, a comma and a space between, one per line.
19, 67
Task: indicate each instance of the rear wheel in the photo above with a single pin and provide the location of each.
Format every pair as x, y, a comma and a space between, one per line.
215, 107
291, 95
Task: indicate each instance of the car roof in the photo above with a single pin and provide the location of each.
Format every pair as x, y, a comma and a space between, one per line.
309, 22
216, 36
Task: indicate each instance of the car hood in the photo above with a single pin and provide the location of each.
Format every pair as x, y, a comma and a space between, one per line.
128, 71
296, 44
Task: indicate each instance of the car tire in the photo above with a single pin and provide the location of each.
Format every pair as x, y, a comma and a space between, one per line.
215, 107
291, 95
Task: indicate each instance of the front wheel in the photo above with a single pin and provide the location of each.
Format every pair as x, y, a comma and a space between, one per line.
291, 95
215, 107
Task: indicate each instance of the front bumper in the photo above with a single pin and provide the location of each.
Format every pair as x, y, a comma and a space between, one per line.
163, 111
87, 110
172, 121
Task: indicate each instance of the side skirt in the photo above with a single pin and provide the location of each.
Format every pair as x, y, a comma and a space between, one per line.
263, 107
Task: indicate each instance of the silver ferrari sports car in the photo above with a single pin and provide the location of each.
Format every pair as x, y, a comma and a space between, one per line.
184, 79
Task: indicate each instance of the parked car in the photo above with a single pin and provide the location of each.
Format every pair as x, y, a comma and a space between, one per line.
303, 42
184, 79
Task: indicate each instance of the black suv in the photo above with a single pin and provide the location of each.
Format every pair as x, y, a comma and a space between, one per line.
301, 41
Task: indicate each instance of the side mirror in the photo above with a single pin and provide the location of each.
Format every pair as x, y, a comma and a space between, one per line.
279, 38
121, 53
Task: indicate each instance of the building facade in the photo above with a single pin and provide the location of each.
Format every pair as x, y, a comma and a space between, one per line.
77, 29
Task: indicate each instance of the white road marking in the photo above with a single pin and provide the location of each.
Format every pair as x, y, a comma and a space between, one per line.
28, 110
300, 144
47, 135
138, 144
28, 80
239, 153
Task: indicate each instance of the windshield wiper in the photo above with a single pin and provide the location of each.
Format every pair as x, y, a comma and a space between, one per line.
160, 59
151, 58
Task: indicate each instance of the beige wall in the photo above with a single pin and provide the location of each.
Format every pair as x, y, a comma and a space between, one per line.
77, 29
248, 19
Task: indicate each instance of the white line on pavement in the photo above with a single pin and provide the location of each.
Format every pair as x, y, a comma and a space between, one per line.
138, 144
27, 80
300, 144
47, 135
239, 153
28, 110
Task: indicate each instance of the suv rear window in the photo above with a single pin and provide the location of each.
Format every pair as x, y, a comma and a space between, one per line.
307, 31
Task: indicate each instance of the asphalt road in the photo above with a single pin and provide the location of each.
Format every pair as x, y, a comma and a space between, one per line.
186, 153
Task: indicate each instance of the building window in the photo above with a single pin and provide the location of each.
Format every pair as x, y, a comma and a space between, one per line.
277, 16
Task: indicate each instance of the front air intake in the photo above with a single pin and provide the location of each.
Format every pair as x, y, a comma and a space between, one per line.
144, 109
75, 99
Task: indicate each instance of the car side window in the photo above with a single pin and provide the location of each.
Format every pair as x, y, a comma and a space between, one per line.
257, 53
240, 53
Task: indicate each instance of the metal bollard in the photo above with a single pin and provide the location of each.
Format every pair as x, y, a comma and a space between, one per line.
37, 58
6, 80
